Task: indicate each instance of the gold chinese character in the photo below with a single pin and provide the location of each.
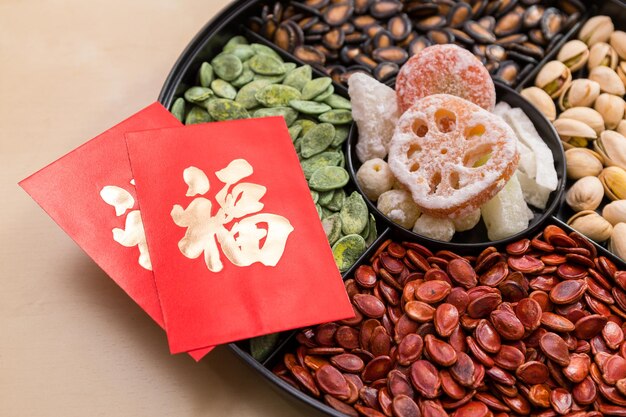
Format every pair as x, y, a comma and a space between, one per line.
133, 233
242, 244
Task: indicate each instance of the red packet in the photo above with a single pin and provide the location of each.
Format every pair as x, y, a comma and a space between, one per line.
89, 193
238, 248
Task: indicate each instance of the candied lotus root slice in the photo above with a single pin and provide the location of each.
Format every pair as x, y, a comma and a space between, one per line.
445, 69
452, 155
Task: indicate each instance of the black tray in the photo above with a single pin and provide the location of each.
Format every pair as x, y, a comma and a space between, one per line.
209, 41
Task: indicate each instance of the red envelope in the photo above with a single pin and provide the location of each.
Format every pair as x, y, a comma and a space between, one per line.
88, 192
238, 248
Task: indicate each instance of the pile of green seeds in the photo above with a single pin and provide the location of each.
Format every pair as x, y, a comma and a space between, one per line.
252, 80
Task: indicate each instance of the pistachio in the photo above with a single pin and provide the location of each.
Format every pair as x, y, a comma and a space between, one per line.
592, 225
621, 71
541, 100
611, 108
602, 54
617, 245
597, 29
614, 181
574, 132
618, 42
585, 194
621, 128
582, 162
588, 116
612, 146
574, 54
580, 93
608, 79
615, 212
553, 78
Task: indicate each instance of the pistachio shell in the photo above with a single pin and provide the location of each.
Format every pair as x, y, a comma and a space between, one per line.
585, 194
611, 108
570, 128
574, 54
618, 42
580, 93
597, 29
621, 71
582, 162
615, 212
617, 245
612, 146
621, 128
592, 225
614, 181
553, 78
608, 79
590, 117
541, 100
602, 54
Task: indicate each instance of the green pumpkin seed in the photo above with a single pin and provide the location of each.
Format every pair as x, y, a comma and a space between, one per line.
243, 52
234, 42
294, 132
317, 139
272, 79
342, 163
245, 96
373, 232
224, 109
247, 76
267, 65
197, 115
178, 109
323, 96
299, 77
223, 89
341, 134
326, 213
309, 107
289, 114
276, 95
298, 145
336, 117
324, 159
198, 94
315, 87
289, 66
306, 125
347, 251
328, 178
314, 195
265, 50
339, 198
205, 74
227, 66
319, 210
325, 197
262, 346
354, 214
332, 228
337, 102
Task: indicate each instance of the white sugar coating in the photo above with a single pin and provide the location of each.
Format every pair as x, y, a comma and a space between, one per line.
443, 155
528, 135
507, 213
375, 111
445, 69
399, 207
501, 108
434, 228
375, 177
467, 222
534, 194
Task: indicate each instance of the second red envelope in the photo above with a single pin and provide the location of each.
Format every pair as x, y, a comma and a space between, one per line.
237, 246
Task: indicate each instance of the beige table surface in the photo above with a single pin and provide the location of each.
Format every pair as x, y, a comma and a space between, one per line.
71, 342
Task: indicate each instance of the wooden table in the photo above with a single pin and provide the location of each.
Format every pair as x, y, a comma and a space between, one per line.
71, 342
